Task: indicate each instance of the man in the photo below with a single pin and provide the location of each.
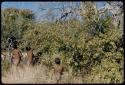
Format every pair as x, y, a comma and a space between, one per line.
11, 41
16, 55
29, 55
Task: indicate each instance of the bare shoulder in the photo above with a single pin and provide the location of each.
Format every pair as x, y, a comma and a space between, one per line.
61, 66
19, 50
14, 50
54, 66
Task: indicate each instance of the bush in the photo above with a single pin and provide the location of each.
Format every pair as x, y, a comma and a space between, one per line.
5, 66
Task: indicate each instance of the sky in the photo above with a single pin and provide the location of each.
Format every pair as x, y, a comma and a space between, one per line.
22, 5
34, 6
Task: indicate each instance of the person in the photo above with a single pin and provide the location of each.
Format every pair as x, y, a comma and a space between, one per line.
16, 55
29, 56
58, 70
11, 42
3, 57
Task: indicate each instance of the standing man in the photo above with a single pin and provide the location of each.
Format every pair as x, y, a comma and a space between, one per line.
29, 55
11, 41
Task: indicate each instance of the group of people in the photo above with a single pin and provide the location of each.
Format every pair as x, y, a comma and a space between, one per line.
17, 55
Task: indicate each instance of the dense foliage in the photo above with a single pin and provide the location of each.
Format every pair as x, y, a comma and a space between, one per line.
91, 47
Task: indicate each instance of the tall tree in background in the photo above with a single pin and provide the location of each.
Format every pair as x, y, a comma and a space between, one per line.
14, 23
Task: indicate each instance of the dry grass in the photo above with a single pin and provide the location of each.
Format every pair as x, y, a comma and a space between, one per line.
38, 74
41, 74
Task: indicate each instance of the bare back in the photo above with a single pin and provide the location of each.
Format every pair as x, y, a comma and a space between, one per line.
58, 69
30, 56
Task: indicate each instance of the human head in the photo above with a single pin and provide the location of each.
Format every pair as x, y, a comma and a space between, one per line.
57, 60
15, 46
28, 48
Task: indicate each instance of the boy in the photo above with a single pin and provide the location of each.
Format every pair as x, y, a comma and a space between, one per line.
58, 70
29, 55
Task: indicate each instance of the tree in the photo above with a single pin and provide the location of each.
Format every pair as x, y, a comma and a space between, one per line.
14, 23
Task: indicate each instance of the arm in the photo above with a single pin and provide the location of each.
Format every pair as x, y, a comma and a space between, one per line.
62, 70
20, 53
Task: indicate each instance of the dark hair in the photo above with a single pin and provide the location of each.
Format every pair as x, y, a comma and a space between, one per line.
39, 53
15, 46
57, 60
11, 39
28, 48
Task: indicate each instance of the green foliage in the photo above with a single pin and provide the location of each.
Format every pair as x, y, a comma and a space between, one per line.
95, 46
14, 23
